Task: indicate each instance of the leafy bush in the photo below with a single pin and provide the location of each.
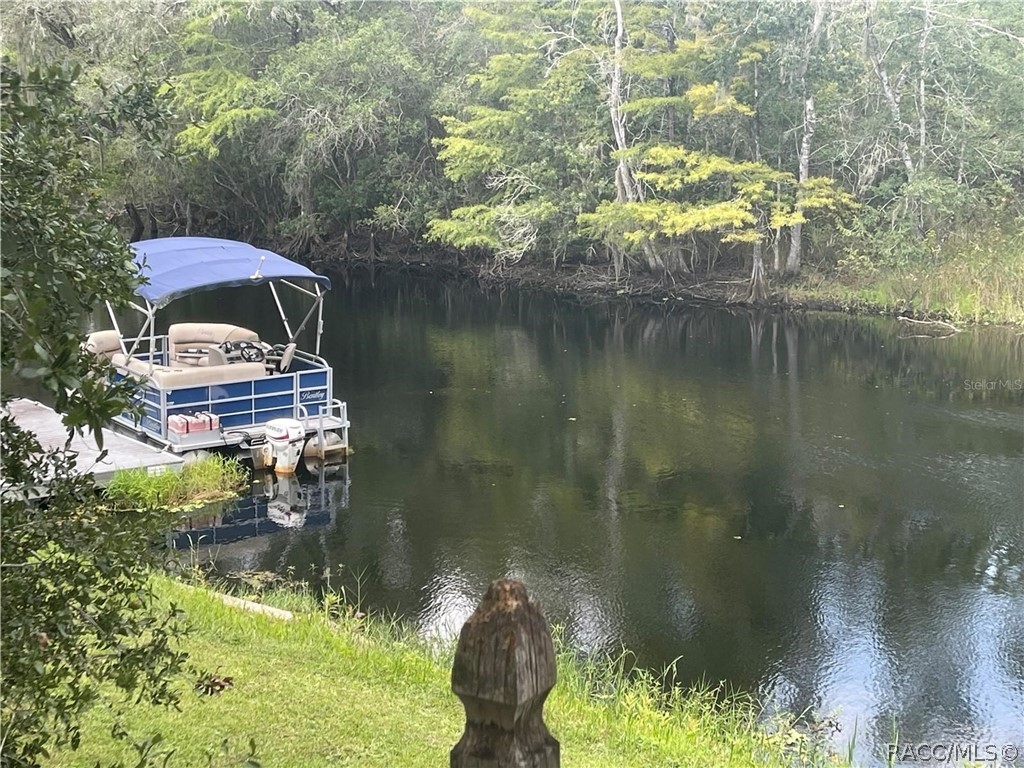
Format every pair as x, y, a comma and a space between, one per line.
80, 623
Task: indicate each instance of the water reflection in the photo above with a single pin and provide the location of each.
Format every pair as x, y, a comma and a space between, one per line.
274, 503
287, 504
448, 600
811, 507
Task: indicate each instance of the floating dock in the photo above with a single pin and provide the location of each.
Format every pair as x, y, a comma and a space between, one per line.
123, 452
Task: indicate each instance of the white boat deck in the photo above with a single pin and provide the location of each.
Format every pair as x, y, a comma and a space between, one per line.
123, 452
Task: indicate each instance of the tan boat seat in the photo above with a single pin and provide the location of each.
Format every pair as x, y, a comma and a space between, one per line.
188, 341
103, 343
175, 377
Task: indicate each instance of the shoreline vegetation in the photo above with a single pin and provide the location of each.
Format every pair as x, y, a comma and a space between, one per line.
333, 687
209, 478
950, 294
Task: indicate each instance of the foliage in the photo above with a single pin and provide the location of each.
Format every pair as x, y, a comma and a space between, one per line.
525, 155
212, 478
52, 220
698, 192
78, 617
527, 131
80, 623
311, 117
962, 279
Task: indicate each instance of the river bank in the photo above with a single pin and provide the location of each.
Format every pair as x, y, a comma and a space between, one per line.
952, 292
332, 687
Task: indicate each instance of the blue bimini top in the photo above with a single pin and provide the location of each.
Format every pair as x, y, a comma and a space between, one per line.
178, 266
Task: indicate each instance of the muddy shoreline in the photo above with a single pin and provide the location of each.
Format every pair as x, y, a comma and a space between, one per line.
588, 284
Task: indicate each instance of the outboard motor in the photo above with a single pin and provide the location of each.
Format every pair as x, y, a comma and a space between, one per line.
283, 448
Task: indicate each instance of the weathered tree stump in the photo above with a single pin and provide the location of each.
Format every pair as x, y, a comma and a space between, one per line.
504, 669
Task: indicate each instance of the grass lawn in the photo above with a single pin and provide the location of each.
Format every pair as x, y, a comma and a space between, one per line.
313, 692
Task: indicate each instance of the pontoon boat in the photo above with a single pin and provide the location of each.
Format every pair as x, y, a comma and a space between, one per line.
213, 385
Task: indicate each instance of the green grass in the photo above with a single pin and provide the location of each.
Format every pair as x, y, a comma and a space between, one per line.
960, 292
974, 277
333, 689
208, 479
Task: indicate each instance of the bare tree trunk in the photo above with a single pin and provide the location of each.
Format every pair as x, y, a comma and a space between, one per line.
756, 291
777, 240
810, 120
757, 114
137, 226
626, 187
890, 91
796, 232
670, 88
922, 113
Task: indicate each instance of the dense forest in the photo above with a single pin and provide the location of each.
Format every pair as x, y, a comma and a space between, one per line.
867, 150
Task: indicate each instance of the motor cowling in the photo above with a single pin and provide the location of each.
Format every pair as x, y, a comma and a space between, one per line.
283, 447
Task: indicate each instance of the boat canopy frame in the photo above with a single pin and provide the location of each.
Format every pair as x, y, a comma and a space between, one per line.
232, 260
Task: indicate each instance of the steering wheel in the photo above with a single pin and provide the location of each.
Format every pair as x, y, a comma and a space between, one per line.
250, 353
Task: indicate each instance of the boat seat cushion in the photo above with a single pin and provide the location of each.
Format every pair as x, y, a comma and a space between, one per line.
103, 343
175, 377
187, 339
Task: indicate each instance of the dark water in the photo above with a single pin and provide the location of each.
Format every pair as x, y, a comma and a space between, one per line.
811, 508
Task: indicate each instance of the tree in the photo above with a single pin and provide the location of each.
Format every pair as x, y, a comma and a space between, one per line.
695, 191
78, 618
811, 38
348, 104
526, 153
924, 123
310, 117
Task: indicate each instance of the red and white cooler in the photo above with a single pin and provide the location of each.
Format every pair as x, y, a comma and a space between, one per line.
190, 423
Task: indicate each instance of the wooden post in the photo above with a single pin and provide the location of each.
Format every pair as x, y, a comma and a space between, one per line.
504, 669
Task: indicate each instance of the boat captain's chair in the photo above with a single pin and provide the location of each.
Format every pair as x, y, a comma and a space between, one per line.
191, 343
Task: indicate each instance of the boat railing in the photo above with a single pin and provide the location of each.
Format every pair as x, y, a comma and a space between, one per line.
333, 416
244, 396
